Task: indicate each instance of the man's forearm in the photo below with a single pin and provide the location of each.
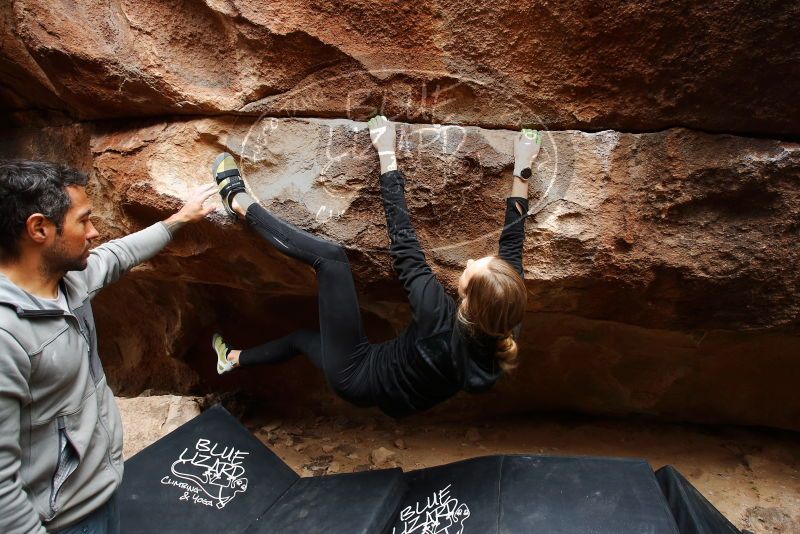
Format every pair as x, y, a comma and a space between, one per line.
108, 261
174, 223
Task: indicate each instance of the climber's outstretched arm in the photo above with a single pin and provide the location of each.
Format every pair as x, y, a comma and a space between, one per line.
512, 238
426, 296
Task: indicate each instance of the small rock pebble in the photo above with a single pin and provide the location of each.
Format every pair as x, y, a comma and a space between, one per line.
269, 427
381, 455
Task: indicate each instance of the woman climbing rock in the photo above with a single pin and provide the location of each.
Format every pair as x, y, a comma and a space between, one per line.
447, 347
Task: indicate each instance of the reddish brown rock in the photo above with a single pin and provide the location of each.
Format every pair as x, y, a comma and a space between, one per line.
659, 266
637, 66
671, 230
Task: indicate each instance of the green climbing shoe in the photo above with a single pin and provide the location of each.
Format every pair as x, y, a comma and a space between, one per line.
222, 350
229, 180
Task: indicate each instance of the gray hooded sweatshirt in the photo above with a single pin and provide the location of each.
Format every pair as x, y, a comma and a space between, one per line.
60, 430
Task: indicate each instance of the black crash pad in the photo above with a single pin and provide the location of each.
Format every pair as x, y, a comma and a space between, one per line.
210, 475
692, 512
566, 495
352, 503
446, 498
516, 494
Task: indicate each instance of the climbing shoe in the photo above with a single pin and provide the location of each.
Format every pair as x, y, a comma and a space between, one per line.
222, 350
229, 180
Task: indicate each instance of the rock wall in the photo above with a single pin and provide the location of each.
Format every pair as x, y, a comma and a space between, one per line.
661, 266
146, 419
731, 66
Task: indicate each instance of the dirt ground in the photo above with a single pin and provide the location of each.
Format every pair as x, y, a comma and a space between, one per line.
751, 475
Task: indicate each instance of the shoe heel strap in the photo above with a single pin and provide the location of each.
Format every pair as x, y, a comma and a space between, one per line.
226, 174
232, 184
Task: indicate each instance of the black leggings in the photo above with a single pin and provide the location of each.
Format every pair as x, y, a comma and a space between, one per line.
340, 347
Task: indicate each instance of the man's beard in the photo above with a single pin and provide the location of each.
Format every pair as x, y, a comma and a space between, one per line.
57, 261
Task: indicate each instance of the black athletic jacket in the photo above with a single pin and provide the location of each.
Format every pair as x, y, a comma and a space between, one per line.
434, 357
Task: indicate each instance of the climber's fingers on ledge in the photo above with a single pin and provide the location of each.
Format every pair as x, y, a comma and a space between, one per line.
199, 195
534, 135
204, 191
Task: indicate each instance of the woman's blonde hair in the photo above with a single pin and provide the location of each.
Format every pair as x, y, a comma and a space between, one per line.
494, 303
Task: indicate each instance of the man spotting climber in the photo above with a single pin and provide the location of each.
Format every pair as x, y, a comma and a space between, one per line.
60, 430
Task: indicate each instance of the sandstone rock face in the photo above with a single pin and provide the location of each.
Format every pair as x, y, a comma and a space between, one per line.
656, 264
661, 256
146, 419
677, 229
732, 66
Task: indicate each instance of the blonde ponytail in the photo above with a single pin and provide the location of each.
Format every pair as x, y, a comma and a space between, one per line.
494, 303
507, 353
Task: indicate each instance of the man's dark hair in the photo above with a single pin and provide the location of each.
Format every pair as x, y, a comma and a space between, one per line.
28, 187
